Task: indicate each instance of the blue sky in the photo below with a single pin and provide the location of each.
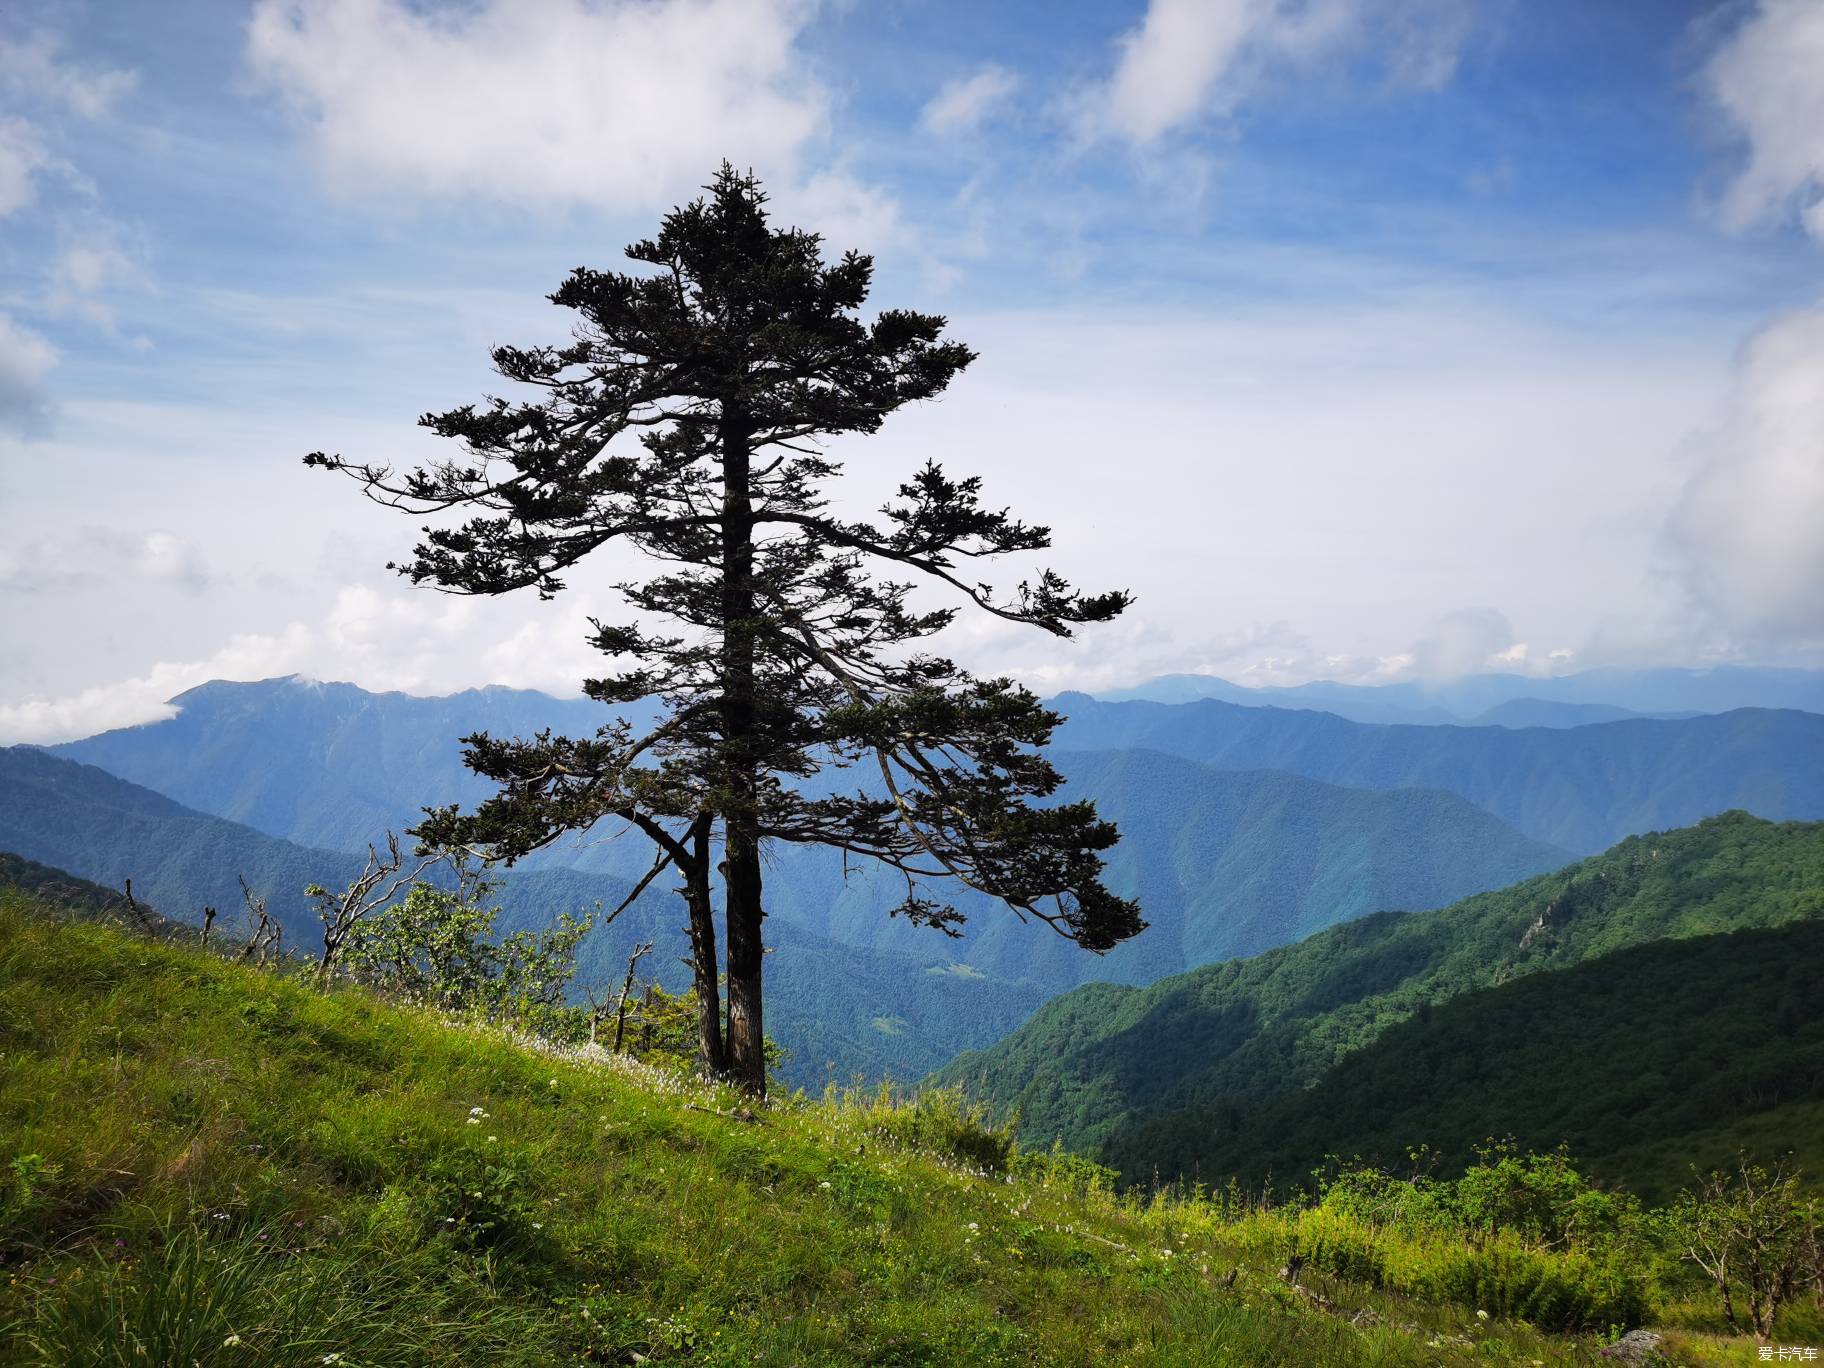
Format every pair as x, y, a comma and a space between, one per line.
1365, 339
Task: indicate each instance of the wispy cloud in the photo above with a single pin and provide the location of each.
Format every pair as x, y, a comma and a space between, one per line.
1189, 59
965, 103
99, 557
25, 364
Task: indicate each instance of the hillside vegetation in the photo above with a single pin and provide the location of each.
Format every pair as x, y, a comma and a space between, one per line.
1093, 1067
211, 1165
841, 1011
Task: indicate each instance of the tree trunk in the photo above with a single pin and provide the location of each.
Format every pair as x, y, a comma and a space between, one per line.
746, 1025
740, 816
711, 1051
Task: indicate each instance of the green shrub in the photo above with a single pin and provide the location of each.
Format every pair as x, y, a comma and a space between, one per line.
942, 1122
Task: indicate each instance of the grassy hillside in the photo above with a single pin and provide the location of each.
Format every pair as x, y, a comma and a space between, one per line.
206, 1164
1639, 1061
840, 1011
1106, 1060
1583, 788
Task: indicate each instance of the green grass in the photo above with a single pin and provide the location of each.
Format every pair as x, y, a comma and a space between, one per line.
203, 1163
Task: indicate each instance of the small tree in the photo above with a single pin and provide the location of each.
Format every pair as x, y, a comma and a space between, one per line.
686, 418
437, 946
1754, 1234
379, 882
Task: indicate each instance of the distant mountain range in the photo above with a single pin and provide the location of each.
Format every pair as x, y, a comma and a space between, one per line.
1245, 829
1267, 1064
1560, 701
1582, 788
1226, 863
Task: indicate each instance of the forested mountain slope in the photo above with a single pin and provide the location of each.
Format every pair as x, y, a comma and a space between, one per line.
1643, 1061
1105, 1060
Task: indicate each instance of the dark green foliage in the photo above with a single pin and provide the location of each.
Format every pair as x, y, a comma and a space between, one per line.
1104, 1060
1583, 788
1639, 1047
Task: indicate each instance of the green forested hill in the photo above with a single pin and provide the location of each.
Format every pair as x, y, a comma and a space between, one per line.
1105, 1060
1641, 1061
59, 889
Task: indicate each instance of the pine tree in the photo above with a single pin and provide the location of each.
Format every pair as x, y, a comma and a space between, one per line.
688, 417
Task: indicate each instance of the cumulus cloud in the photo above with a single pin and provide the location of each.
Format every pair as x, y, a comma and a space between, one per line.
1191, 58
612, 105
1746, 538
25, 360
1765, 80
101, 556
1465, 642
964, 104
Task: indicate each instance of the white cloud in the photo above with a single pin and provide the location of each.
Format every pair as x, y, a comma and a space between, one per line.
104, 557
21, 155
964, 104
414, 641
1468, 641
1191, 58
1766, 80
25, 360
849, 213
615, 105
1746, 538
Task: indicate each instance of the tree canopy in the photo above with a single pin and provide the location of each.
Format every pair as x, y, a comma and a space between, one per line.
689, 416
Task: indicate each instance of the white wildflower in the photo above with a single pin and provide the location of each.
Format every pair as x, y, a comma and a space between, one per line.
475, 1111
